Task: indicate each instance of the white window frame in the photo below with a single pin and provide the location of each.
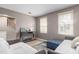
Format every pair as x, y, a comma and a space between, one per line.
72, 24
43, 25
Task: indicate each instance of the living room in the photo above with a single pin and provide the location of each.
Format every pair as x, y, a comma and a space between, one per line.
42, 31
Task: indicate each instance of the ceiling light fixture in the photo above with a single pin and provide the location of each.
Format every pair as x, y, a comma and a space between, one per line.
29, 13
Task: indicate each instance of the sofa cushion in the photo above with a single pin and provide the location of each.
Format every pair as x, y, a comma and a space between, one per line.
4, 46
74, 41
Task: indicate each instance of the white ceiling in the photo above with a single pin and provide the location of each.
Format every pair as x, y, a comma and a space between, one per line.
35, 9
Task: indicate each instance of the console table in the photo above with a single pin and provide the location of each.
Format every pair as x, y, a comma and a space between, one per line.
27, 36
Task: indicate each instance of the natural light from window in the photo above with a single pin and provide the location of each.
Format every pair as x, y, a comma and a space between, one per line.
43, 24
65, 23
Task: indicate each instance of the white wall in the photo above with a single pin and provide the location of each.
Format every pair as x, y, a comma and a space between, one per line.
26, 22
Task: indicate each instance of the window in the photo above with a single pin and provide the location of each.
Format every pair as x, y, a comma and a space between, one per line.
65, 23
43, 24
